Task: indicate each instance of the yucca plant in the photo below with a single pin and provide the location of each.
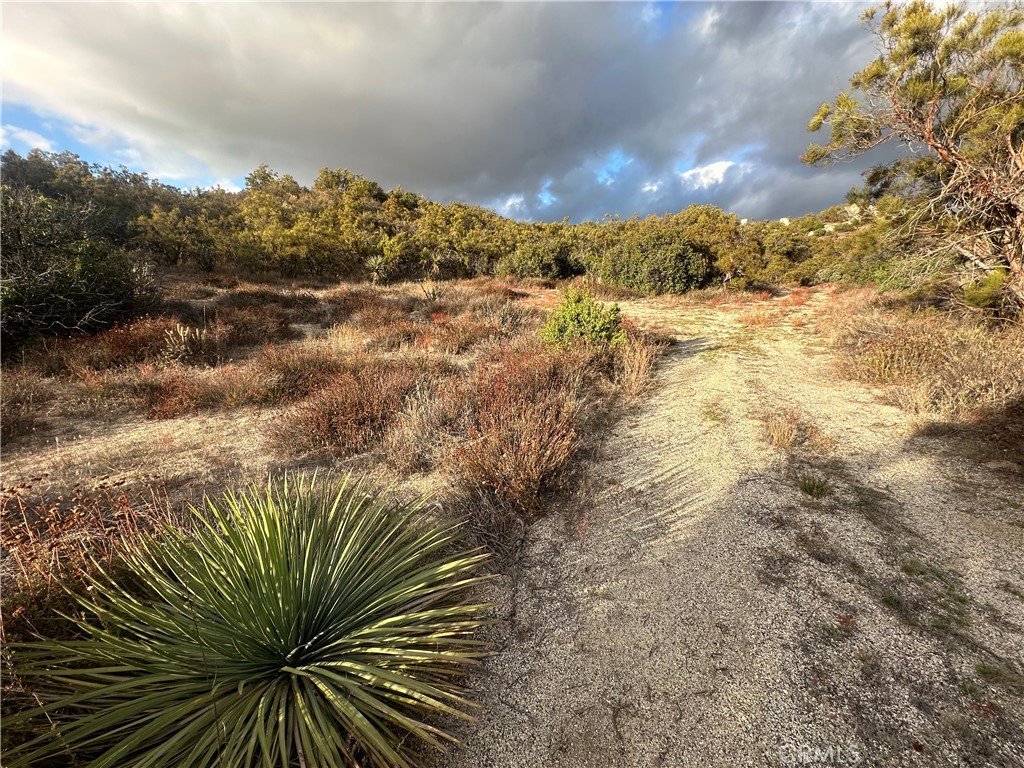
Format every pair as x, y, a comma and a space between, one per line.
297, 626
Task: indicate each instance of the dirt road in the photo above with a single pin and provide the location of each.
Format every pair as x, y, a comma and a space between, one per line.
764, 568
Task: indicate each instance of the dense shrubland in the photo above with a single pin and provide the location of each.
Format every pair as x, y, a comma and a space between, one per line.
79, 254
92, 237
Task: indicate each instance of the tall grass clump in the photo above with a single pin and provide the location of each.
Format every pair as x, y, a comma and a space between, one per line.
635, 360
300, 625
525, 420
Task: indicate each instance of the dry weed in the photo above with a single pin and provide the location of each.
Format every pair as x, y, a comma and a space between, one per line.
123, 345
789, 430
797, 297
22, 393
51, 536
352, 412
635, 363
760, 319
523, 423
295, 371
938, 364
782, 430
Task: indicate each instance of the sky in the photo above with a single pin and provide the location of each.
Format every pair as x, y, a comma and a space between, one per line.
538, 110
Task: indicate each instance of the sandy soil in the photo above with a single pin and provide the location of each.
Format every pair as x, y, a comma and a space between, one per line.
692, 606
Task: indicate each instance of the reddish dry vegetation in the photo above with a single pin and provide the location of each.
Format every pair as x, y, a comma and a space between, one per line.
52, 535
450, 380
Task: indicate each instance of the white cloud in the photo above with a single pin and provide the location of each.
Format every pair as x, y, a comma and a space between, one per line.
30, 139
651, 186
226, 184
650, 13
708, 175
515, 205
706, 22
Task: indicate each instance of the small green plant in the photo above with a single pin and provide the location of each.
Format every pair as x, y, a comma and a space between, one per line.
581, 318
299, 625
815, 487
987, 293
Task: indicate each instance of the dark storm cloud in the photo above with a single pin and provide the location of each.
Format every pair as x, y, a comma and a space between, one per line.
498, 104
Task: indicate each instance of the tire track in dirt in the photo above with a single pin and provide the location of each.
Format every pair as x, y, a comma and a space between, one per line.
696, 609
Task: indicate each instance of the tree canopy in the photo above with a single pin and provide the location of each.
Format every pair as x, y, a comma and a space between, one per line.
949, 84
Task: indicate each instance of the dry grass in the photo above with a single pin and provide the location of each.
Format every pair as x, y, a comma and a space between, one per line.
51, 536
788, 431
295, 371
762, 318
635, 362
352, 411
178, 390
250, 326
418, 436
395, 335
782, 430
797, 297
449, 381
22, 393
121, 346
941, 364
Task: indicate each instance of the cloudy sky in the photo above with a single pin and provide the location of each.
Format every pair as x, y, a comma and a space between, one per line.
538, 110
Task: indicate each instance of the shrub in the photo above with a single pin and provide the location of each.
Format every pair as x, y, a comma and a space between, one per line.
247, 326
352, 412
988, 293
117, 347
298, 370
523, 424
539, 258
59, 276
657, 263
580, 318
21, 394
299, 625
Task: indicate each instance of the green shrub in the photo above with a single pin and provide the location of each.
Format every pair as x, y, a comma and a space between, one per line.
58, 275
298, 626
987, 293
580, 318
544, 258
657, 265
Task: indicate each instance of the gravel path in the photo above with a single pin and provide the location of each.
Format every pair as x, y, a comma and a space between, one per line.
694, 607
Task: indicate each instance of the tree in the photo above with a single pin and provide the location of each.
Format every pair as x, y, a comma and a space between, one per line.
59, 275
948, 83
